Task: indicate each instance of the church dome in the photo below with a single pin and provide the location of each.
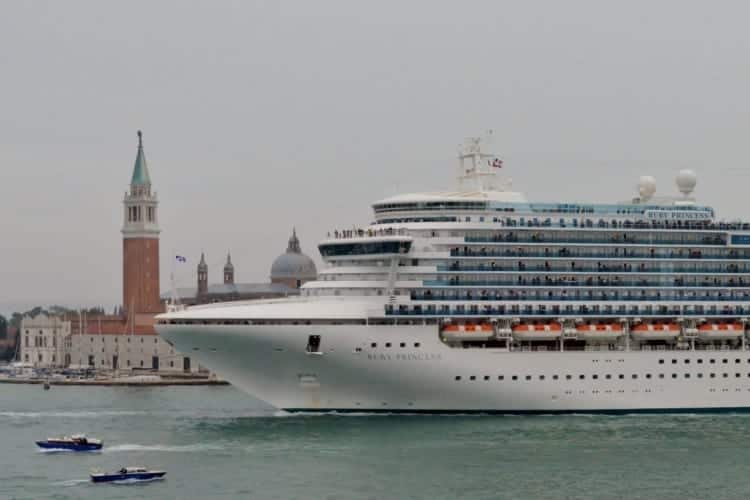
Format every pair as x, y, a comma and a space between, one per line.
293, 264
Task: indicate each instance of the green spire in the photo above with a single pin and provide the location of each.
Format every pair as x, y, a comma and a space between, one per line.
140, 170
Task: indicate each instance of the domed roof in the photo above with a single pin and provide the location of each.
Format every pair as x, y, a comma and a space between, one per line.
293, 264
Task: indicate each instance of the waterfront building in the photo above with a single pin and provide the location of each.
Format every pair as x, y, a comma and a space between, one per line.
109, 345
43, 341
478, 299
289, 272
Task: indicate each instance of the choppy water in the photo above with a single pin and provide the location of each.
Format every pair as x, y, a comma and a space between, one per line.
217, 443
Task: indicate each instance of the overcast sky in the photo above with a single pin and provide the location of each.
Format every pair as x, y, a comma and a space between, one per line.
260, 116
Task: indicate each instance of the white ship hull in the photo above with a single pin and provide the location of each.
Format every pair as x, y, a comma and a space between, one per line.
271, 363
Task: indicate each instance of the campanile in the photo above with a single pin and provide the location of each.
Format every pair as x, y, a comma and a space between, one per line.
140, 242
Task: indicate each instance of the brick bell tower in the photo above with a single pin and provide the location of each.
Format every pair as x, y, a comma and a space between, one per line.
140, 242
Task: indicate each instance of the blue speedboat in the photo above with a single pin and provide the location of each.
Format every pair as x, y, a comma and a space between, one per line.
78, 442
128, 474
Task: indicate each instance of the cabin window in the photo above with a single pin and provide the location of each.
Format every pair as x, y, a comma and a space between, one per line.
313, 343
473, 377
458, 377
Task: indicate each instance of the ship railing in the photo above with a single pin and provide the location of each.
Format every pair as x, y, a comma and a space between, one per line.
632, 240
631, 254
583, 283
605, 269
581, 298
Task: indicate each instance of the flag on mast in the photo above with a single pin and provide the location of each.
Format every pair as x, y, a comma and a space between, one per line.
497, 163
180, 258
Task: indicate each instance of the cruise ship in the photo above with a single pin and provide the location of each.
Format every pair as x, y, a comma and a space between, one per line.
478, 300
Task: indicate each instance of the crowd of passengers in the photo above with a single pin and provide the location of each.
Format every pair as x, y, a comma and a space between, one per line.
652, 253
600, 267
641, 295
615, 238
599, 281
629, 224
369, 232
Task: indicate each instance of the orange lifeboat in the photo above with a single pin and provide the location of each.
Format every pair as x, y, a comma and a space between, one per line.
468, 331
599, 331
537, 331
711, 331
656, 331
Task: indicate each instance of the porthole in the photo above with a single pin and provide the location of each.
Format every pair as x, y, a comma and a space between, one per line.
712, 361
737, 361
737, 375
674, 375
595, 377
458, 377
713, 375
581, 377
674, 361
402, 344
416, 344
388, 344
635, 376
501, 377
700, 361
555, 377
621, 376
541, 377
486, 377
724, 360
515, 377
661, 361
528, 377
648, 375
473, 377
687, 375
568, 377
687, 361
374, 345
608, 376
725, 375
661, 375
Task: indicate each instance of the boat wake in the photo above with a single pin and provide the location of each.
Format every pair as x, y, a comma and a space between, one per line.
70, 414
186, 448
72, 482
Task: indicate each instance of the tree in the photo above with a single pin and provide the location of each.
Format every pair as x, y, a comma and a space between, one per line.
3, 327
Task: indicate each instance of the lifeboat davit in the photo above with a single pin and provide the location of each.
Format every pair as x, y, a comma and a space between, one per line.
599, 331
711, 331
656, 331
468, 331
537, 331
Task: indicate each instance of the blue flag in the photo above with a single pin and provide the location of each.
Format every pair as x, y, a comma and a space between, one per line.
180, 258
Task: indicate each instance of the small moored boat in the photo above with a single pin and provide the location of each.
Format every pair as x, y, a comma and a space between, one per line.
127, 474
77, 442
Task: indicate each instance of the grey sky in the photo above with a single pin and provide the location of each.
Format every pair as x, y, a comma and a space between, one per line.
258, 116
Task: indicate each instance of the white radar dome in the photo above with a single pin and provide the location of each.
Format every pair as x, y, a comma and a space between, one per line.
686, 180
646, 187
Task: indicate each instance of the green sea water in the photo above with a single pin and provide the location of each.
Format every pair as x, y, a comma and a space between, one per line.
216, 442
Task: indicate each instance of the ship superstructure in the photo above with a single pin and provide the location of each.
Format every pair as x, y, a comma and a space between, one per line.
480, 300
